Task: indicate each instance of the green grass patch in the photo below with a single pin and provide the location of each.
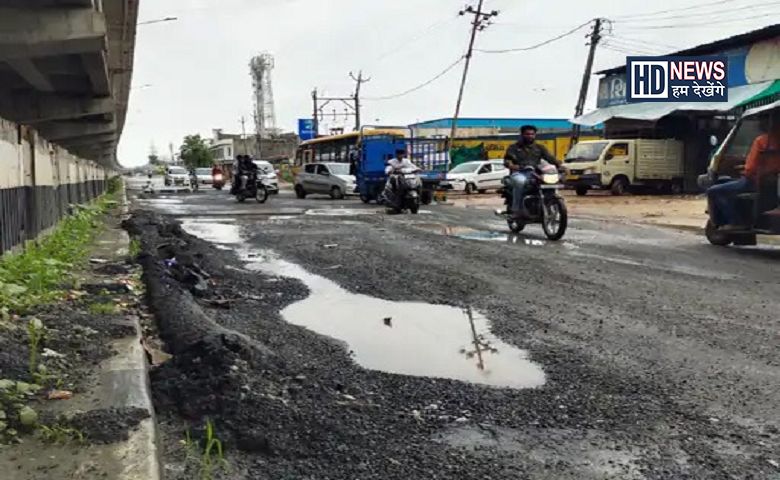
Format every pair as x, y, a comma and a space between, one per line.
103, 308
40, 273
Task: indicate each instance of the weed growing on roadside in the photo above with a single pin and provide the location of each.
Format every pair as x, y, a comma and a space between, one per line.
114, 184
135, 248
211, 458
35, 333
103, 308
60, 434
39, 274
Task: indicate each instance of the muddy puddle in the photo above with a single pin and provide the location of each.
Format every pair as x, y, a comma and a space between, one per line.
408, 338
225, 232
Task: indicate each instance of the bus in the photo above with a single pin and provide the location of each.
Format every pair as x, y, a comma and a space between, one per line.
343, 148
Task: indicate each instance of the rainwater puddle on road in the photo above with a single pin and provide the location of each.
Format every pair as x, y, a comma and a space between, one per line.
339, 212
467, 233
408, 338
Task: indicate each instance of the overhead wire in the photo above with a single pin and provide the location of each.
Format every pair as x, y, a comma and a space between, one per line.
698, 24
672, 10
541, 44
699, 16
420, 86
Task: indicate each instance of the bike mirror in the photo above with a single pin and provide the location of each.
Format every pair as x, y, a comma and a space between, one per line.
713, 140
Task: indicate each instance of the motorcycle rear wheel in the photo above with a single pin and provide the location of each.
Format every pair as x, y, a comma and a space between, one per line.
555, 218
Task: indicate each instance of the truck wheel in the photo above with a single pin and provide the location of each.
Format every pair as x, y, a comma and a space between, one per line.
300, 192
427, 197
677, 187
365, 199
619, 186
581, 191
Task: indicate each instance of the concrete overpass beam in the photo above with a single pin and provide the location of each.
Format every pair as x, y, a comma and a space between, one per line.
33, 75
33, 109
90, 140
97, 68
29, 33
58, 131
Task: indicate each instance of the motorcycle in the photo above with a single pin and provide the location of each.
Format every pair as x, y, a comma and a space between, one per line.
542, 203
406, 194
253, 188
218, 181
194, 182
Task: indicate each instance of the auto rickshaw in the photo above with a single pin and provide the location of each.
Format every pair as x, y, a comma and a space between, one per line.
759, 209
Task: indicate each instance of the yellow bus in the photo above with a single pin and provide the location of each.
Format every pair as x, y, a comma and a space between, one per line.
336, 148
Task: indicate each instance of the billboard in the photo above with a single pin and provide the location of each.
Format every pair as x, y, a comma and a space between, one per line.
306, 129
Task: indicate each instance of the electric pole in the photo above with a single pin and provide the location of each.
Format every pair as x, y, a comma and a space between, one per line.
243, 134
359, 80
481, 22
315, 121
595, 38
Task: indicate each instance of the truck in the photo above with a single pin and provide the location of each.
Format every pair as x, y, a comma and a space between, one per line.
621, 164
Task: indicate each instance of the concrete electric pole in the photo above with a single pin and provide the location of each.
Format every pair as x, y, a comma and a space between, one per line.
481, 22
359, 81
595, 37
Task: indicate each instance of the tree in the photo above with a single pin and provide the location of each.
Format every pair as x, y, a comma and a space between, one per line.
195, 152
154, 159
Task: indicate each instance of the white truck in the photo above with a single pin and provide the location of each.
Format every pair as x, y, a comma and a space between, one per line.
618, 165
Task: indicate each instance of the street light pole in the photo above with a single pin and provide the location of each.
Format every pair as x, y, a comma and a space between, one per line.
159, 20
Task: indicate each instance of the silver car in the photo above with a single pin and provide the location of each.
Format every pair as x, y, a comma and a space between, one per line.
266, 172
176, 176
325, 178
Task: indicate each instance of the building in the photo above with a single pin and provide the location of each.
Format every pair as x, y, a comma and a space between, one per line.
754, 79
226, 146
479, 127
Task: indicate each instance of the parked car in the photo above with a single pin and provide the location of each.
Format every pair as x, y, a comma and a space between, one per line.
204, 176
176, 176
479, 176
267, 173
325, 178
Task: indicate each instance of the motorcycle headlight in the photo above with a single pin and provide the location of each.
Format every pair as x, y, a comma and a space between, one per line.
550, 178
217, 178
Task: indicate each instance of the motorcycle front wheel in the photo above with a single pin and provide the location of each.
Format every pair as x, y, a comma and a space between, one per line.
240, 198
414, 205
515, 226
555, 218
262, 194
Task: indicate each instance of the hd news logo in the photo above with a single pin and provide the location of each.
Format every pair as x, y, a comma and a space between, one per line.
677, 79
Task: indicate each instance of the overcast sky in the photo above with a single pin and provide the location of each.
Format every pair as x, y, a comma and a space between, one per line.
192, 75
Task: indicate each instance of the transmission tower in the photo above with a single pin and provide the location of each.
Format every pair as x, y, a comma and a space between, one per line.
265, 116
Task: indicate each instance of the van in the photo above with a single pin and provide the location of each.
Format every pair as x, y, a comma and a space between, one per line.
619, 165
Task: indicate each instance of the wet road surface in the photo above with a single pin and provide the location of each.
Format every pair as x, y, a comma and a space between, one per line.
649, 348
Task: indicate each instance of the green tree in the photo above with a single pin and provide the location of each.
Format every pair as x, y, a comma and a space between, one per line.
195, 152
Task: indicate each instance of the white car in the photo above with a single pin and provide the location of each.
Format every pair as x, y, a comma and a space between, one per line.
204, 176
479, 176
326, 178
176, 176
266, 172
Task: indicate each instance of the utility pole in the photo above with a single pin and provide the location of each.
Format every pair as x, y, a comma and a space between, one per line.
243, 134
595, 38
258, 142
481, 22
360, 80
315, 120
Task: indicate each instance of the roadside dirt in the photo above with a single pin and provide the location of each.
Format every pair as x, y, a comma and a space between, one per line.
685, 211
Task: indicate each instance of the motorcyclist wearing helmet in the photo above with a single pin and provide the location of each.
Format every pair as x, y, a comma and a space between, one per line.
521, 159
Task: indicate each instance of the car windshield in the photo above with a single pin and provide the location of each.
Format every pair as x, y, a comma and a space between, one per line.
203, 171
338, 168
264, 167
177, 171
468, 167
585, 152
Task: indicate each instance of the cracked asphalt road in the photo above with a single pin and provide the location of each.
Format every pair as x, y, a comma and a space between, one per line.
661, 353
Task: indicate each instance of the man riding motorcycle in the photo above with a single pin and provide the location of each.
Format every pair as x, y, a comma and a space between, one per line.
521, 159
243, 166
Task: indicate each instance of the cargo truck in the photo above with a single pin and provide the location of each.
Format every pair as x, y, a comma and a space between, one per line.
619, 165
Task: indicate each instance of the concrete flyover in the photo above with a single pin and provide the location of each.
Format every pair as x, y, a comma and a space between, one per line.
65, 70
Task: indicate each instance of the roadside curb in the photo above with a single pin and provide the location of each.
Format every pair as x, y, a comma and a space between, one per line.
124, 383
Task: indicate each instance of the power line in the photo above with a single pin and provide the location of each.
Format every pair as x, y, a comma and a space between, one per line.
418, 87
671, 10
699, 16
630, 48
422, 34
532, 47
704, 24
643, 42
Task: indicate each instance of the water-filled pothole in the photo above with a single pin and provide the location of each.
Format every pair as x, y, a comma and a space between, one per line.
409, 338
467, 233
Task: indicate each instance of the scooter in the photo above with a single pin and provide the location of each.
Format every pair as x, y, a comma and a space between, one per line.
407, 192
542, 203
218, 181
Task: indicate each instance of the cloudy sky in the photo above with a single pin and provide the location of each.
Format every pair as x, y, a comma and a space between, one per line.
192, 75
